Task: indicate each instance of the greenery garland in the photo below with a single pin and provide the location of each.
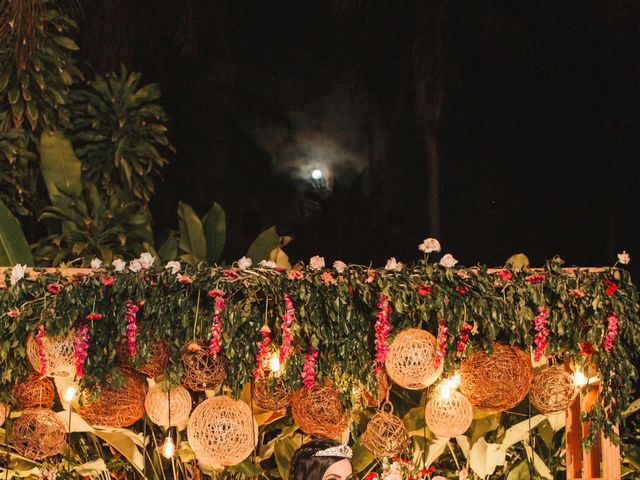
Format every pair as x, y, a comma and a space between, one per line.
335, 314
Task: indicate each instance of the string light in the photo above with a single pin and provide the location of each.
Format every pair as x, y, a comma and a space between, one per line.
454, 382
445, 390
168, 448
70, 393
274, 362
579, 378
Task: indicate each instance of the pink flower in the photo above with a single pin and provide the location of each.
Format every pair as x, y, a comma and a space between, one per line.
308, 369
463, 337
327, 278
40, 336
442, 344
371, 274
216, 293
448, 261
80, 347
429, 245
542, 332
106, 281
339, 266
184, 279
463, 474
13, 313
382, 330
216, 326
54, 288
132, 328
612, 330
295, 274
263, 351
316, 262
624, 258
231, 274
287, 334
505, 275
93, 316
575, 293
535, 278
244, 263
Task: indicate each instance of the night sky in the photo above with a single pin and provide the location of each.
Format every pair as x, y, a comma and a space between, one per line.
538, 132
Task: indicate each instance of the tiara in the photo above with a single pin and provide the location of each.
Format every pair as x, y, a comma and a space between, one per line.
343, 451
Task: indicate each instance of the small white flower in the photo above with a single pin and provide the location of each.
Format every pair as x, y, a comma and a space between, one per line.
394, 265
244, 263
118, 265
429, 245
173, 265
17, 273
624, 258
267, 264
448, 261
135, 265
339, 266
316, 262
463, 474
146, 260
96, 263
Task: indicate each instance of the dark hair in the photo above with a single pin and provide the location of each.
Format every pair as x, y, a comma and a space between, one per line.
306, 466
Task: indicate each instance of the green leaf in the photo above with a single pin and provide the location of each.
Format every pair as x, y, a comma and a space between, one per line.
169, 249
362, 458
485, 457
284, 451
263, 245
279, 256
215, 231
13, 244
520, 472
192, 240
60, 168
518, 261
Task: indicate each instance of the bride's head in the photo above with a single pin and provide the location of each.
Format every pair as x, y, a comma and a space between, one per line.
321, 459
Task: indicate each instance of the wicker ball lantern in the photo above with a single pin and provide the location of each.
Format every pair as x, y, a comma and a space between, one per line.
269, 397
222, 431
38, 433
448, 416
385, 436
499, 381
553, 390
59, 352
318, 411
33, 392
411, 361
154, 366
116, 407
168, 409
4, 412
202, 371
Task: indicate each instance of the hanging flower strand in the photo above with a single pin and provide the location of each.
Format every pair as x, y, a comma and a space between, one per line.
612, 331
216, 325
287, 320
382, 330
41, 352
263, 351
132, 328
442, 344
463, 337
309, 368
542, 332
80, 347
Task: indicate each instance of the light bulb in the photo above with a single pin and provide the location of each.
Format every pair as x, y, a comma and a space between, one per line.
274, 363
454, 382
445, 391
579, 378
316, 174
70, 393
168, 449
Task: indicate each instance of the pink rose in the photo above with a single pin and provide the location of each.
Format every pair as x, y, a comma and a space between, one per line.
448, 261
429, 245
339, 266
316, 262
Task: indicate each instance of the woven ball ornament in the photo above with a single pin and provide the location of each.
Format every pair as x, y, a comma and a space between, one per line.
59, 352
157, 402
271, 397
499, 381
411, 361
318, 411
553, 390
448, 417
33, 392
116, 407
202, 371
154, 366
385, 436
38, 433
4, 412
222, 431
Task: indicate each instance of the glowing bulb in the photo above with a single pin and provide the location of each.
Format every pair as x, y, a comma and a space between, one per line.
445, 391
69, 393
168, 449
316, 174
454, 382
274, 363
579, 378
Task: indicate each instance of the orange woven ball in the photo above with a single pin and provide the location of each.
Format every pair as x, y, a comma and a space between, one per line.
411, 361
38, 433
272, 396
155, 365
553, 390
499, 381
385, 436
202, 371
59, 353
450, 416
33, 392
318, 411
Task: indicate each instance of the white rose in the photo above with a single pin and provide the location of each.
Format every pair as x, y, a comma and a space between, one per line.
135, 265
96, 263
339, 266
146, 260
173, 265
429, 245
118, 265
316, 262
392, 264
17, 273
244, 262
267, 263
624, 258
448, 261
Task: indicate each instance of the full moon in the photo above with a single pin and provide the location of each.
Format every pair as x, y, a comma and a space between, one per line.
316, 174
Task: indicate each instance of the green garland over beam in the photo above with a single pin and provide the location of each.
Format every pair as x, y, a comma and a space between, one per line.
335, 313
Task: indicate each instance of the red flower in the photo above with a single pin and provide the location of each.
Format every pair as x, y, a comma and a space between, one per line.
424, 290
427, 471
13, 313
184, 279
371, 476
535, 278
295, 274
575, 293
611, 287
327, 278
93, 316
106, 281
370, 276
462, 290
54, 288
586, 348
216, 293
505, 275
231, 274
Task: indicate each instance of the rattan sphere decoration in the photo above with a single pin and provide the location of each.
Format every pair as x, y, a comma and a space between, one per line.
33, 392
157, 404
385, 436
222, 431
318, 411
271, 397
202, 371
553, 390
499, 381
448, 417
4, 412
38, 433
154, 366
116, 407
411, 359
59, 353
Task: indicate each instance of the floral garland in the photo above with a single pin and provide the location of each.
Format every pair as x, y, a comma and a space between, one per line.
442, 343
81, 345
612, 331
216, 323
382, 330
542, 332
463, 336
41, 351
132, 328
309, 368
263, 351
288, 318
